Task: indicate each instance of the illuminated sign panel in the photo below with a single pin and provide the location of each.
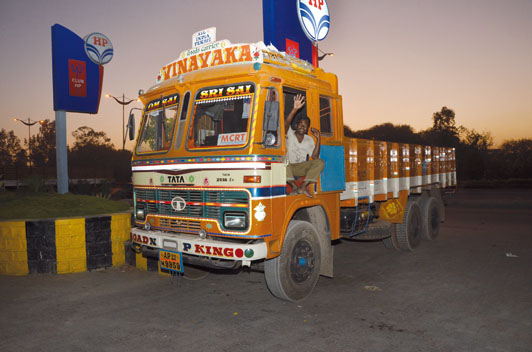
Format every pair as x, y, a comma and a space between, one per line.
77, 69
211, 55
292, 48
282, 28
98, 48
77, 80
314, 18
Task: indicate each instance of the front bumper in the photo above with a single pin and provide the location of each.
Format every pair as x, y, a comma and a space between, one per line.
193, 245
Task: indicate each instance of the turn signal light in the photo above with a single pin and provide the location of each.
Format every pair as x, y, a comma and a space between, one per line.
251, 179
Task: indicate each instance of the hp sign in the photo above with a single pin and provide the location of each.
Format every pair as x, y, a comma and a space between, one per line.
98, 48
314, 18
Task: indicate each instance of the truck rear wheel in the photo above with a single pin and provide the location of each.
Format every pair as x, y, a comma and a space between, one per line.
410, 230
292, 275
431, 218
391, 242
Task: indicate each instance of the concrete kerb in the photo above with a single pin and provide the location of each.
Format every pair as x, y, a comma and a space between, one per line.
63, 245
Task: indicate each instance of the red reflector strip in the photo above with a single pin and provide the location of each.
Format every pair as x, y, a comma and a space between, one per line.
227, 205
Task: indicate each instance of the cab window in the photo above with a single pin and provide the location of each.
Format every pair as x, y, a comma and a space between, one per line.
221, 116
325, 116
289, 94
158, 124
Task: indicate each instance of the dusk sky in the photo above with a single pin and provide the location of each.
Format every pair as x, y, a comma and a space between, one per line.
397, 61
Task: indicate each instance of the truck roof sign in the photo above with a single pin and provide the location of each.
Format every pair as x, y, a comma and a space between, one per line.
203, 37
211, 55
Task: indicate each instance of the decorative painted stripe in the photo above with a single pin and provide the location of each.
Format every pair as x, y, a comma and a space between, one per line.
64, 245
267, 191
210, 100
194, 203
180, 230
238, 236
98, 242
254, 158
40, 239
254, 120
13, 248
195, 232
223, 166
70, 245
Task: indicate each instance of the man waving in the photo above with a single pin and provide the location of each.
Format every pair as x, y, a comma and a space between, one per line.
302, 152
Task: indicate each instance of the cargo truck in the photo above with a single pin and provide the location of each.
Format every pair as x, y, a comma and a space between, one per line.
209, 172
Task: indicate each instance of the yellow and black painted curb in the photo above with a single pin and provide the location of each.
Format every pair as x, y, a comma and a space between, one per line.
137, 260
61, 246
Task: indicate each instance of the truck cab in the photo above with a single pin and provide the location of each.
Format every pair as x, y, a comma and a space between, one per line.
209, 168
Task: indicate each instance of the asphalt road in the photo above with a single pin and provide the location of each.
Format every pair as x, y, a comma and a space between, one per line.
470, 290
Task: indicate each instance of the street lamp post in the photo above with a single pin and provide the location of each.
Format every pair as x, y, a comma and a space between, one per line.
125, 101
323, 56
29, 124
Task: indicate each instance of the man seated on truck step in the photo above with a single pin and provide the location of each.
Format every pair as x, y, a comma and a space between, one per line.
302, 152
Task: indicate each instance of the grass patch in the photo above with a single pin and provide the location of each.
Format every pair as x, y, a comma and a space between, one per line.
54, 205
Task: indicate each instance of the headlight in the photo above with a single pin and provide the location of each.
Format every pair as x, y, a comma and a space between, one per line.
140, 212
235, 221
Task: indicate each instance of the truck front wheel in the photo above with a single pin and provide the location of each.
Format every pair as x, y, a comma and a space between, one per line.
292, 275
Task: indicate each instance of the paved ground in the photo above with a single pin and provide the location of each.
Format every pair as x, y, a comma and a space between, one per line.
471, 290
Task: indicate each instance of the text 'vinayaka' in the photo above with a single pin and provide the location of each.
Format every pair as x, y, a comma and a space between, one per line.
230, 54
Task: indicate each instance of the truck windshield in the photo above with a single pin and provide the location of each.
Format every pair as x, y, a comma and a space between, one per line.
158, 124
221, 116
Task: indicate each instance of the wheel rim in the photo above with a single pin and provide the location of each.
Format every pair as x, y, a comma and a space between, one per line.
302, 261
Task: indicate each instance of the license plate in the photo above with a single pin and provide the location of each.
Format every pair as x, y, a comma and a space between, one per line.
170, 260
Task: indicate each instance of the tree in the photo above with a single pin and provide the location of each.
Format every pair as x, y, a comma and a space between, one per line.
475, 140
473, 161
516, 158
386, 132
43, 145
444, 132
86, 137
444, 120
93, 156
11, 153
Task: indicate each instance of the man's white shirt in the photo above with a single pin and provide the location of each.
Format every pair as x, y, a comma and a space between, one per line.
297, 152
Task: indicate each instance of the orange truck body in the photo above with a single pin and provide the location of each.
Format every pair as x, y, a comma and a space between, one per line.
209, 168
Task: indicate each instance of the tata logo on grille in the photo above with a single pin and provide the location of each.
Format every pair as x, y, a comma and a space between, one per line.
178, 204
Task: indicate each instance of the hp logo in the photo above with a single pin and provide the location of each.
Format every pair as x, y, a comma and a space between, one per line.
314, 18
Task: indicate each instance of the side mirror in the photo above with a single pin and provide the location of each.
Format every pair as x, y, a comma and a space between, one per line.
271, 116
270, 123
131, 126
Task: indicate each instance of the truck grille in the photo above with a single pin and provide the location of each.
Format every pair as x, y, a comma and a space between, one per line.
200, 204
180, 225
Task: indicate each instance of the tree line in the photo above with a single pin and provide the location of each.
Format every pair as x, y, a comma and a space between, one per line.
476, 157
90, 150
